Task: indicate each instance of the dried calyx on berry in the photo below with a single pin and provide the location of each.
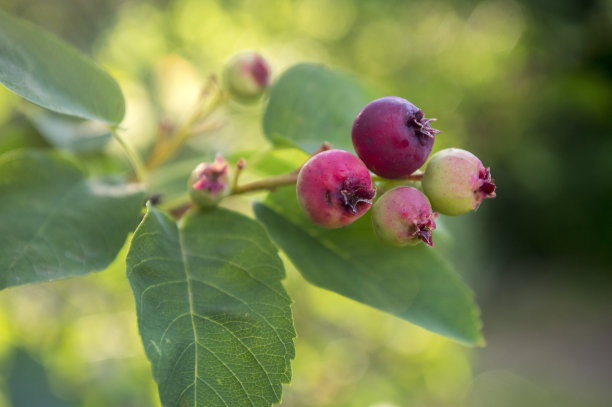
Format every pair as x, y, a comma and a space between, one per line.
334, 188
209, 183
246, 76
403, 217
457, 182
392, 137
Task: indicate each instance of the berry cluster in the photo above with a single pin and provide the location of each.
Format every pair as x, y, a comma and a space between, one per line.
393, 139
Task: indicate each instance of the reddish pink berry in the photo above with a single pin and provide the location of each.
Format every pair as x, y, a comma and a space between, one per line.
334, 188
456, 182
403, 217
392, 137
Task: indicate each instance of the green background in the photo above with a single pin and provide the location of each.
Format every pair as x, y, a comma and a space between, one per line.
525, 85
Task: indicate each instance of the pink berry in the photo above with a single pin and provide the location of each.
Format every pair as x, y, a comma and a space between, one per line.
456, 182
209, 183
334, 188
392, 137
246, 76
403, 217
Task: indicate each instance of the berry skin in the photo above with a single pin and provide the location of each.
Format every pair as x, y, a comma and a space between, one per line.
209, 183
246, 76
392, 137
403, 217
456, 182
334, 188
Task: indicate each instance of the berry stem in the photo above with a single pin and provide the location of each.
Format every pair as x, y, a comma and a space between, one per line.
417, 176
270, 183
266, 184
239, 167
211, 97
414, 176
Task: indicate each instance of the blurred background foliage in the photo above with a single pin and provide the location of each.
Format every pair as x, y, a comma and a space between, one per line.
525, 85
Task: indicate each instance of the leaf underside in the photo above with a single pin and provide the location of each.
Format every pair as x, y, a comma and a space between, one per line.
48, 72
413, 283
214, 318
68, 132
55, 222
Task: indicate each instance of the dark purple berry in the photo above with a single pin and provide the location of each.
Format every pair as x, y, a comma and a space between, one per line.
392, 137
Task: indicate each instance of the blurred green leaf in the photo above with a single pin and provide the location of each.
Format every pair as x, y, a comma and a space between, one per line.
48, 72
28, 384
310, 104
55, 222
15, 136
68, 132
214, 318
413, 283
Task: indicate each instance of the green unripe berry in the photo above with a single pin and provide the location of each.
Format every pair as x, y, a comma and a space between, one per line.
246, 76
456, 182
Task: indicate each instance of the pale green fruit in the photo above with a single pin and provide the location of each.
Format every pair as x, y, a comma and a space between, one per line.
246, 76
456, 182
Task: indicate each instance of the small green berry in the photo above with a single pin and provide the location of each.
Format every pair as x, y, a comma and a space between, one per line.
456, 182
246, 76
209, 183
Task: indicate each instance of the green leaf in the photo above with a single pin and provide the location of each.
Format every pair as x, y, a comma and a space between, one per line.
68, 132
413, 283
48, 72
26, 375
214, 318
55, 222
310, 104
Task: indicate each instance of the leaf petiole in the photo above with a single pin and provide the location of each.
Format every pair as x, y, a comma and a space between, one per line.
140, 171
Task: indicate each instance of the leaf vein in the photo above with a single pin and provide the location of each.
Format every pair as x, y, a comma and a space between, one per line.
263, 369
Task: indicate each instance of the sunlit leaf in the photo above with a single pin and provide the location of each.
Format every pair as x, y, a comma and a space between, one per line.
55, 222
214, 318
48, 72
310, 104
413, 283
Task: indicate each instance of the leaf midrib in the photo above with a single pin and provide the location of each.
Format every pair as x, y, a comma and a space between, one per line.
193, 314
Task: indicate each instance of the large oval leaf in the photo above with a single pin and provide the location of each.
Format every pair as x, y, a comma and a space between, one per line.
55, 222
310, 104
44, 70
413, 283
214, 318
